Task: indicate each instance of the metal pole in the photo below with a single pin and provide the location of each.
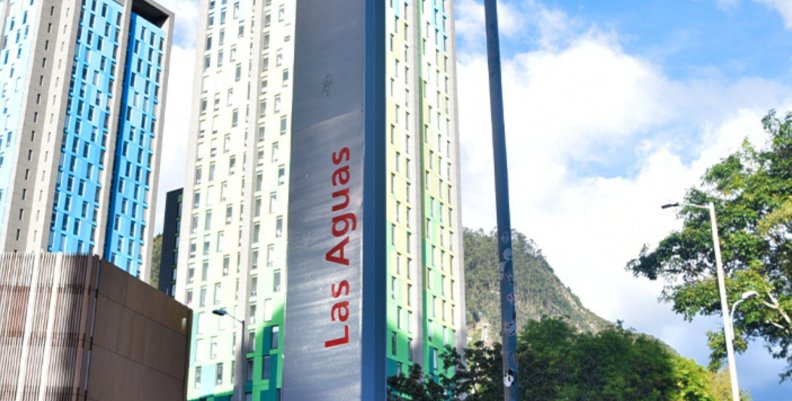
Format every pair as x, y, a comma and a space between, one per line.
508, 311
728, 330
240, 370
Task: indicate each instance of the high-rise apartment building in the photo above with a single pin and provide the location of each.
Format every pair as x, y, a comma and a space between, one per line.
82, 90
169, 251
233, 237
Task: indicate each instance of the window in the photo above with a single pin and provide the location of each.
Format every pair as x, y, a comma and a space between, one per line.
275, 154
283, 125
281, 174
219, 374
213, 348
274, 337
279, 227
197, 377
393, 343
276, 281
265, 367
270, 255
267, 310
273, 202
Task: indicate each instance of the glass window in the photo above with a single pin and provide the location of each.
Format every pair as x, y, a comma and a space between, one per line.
274, 338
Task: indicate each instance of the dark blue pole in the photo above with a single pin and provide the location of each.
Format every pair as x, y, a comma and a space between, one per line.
508, 311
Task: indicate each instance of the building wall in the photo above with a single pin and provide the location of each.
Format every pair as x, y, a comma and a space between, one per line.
233, 234
75, 325
65, 182
170, 241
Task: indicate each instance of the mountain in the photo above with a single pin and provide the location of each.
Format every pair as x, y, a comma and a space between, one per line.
538, 291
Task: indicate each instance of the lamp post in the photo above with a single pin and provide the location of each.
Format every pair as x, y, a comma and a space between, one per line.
505, 265
728, 330
745, 296
241, 369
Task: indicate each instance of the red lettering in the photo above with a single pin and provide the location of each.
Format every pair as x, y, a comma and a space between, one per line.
344, 203
336, 255
341, 176
349, 222
340, 226
341, 155
342, 286
340, 311
339, 340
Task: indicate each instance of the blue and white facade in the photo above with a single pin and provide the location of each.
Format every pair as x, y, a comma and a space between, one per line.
81, 122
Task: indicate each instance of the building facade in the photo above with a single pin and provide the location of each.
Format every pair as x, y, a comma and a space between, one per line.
234, 228
169, 255
81, 118
77, 327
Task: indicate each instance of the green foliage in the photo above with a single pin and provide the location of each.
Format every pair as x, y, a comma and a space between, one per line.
752, 193
559, 363
719, 386
415, 387
538, 291
156, 252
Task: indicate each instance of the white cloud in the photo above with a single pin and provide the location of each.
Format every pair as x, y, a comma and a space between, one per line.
515, 19
177, 126
586, 102
784, 7
186, 20
178, 102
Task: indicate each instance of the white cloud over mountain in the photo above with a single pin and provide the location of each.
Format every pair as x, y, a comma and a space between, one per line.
598, 139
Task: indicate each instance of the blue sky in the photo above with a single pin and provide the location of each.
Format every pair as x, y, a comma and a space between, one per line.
612, 108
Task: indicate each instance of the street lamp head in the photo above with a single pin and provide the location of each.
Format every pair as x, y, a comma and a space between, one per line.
670, 205
748, 295
220, 312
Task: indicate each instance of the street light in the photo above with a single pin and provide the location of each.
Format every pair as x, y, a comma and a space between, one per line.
728, 330
241, 369
745, 296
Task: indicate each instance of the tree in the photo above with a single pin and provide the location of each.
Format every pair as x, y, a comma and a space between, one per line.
156, 253
560, 364
416, 386
752, 193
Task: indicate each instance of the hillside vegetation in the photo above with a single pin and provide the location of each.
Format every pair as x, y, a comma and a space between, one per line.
538, 291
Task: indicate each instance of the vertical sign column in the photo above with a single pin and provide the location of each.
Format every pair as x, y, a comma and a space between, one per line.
335, 314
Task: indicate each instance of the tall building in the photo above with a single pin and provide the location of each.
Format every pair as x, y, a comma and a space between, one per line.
76, 327
233, 238
169, 254
82, 89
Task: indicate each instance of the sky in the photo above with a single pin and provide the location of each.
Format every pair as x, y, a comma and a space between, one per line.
613, 107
